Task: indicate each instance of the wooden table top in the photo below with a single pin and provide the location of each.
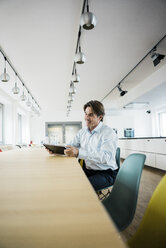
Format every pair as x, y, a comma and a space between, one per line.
47, 201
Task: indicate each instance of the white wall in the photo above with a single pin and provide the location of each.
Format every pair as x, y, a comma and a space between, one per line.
26, 116
143, 123
34, 126
8, 124
37, 124
139, 120
11, 108
151, 82
155, 120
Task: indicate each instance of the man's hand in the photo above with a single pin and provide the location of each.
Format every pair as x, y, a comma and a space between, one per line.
50, 152
71, 151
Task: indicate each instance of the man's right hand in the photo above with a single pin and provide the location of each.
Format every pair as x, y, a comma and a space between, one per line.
50, 152
71, 151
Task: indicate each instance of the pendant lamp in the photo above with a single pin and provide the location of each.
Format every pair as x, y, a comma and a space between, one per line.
80, 57
15, 90
88, 19
72, 89
28, 103
75, 77
5, 76
23, 96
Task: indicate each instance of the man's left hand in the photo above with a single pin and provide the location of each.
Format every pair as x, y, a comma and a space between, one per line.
71, 151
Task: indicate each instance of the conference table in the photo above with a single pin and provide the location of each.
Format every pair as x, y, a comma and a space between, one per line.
47, 201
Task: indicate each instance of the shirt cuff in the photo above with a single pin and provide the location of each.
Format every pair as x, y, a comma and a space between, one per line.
82, 154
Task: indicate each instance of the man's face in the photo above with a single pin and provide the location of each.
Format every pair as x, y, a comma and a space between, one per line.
91, 119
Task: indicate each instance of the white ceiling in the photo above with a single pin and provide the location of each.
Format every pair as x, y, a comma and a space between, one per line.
155, 97
39, 37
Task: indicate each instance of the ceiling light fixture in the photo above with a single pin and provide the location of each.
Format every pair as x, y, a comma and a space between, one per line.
15, 89
122, 92
80, 57
150, 53
28, 103
23, 96
75, 76
71, 97
72, 88
5, 76
32, 108
136, 105
88, 19
156, 57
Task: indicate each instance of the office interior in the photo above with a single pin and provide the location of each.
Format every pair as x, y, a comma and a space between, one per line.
125, 69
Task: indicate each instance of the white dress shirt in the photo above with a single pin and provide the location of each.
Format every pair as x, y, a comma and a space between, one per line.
97, 147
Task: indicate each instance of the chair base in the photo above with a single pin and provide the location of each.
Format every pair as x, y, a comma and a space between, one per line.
102, 195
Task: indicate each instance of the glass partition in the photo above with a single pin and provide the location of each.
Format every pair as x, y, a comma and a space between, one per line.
61, 132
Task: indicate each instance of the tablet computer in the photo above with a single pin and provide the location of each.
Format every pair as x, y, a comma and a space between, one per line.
55, 148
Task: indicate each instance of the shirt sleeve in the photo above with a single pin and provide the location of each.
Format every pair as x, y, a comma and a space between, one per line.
76, 141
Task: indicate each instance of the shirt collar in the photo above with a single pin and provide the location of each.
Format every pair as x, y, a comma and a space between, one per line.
96, 129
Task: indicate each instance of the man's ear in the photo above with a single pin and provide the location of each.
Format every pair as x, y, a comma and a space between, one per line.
100, 117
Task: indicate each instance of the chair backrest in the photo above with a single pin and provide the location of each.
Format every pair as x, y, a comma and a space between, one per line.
152, 229
81, 161
117, 157
122, 201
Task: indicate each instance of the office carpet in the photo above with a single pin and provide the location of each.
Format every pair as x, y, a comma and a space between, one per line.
149, 180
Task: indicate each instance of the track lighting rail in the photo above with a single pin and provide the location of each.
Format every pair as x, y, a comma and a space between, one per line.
16, 73
87, 22
132, 69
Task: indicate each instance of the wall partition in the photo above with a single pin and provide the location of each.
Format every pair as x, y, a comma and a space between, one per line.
61, 132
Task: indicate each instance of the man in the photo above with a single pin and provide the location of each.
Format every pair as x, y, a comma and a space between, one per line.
96, 144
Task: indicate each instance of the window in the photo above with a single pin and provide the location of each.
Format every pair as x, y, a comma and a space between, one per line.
1, 123
162, 123
61, 132
19, 129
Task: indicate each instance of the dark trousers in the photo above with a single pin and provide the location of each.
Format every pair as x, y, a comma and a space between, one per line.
100, 178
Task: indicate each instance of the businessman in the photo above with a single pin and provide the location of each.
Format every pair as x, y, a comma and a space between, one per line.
96, 144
